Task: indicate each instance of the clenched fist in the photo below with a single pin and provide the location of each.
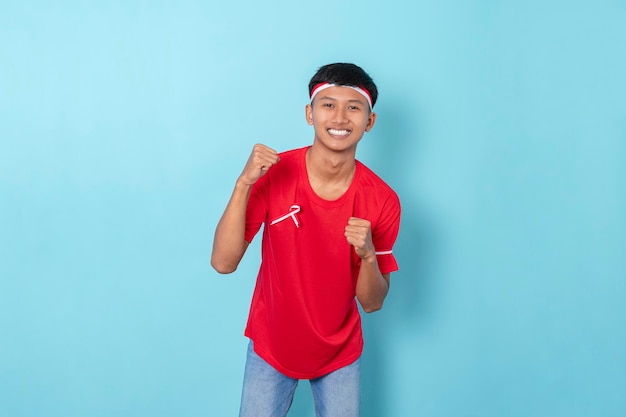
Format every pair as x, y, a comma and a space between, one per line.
260, 161
359, 234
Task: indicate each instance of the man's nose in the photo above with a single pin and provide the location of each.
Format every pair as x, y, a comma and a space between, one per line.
340, 115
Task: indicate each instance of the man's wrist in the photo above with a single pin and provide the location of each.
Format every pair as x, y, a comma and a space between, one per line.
242, 183
369, 258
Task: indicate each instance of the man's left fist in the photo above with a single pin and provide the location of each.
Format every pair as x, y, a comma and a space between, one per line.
359, 234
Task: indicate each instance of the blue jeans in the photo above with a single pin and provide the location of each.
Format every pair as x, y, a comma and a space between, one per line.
268, 393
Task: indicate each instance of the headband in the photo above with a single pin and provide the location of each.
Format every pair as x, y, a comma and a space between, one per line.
323, 86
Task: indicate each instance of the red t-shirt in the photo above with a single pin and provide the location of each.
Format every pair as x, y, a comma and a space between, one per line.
304, 320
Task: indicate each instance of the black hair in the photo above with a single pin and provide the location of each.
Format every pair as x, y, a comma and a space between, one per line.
344, 75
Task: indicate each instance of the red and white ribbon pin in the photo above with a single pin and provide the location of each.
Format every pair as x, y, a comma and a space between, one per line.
292, 213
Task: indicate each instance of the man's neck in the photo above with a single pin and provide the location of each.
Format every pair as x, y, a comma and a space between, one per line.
328, 166
330, 173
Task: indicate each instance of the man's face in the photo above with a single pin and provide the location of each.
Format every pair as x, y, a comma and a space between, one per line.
340, 116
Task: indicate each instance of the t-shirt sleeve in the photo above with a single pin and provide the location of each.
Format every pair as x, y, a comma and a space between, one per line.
256, 212
385, 234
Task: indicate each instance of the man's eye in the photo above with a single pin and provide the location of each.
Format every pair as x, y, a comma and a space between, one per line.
327, 105
353, 108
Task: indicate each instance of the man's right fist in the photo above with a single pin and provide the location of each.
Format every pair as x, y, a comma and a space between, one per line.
260, 161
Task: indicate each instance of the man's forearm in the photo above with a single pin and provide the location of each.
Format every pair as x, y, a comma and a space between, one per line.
229, 244
372, 286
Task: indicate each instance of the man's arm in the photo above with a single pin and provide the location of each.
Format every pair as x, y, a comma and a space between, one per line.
229, 244
372, 286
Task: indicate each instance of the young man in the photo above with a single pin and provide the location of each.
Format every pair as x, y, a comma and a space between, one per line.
329, 228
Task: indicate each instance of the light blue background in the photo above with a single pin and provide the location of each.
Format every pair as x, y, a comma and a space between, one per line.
502, 126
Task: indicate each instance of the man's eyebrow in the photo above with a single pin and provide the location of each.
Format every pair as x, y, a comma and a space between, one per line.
352, 100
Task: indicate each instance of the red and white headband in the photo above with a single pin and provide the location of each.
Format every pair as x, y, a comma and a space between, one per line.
323, 86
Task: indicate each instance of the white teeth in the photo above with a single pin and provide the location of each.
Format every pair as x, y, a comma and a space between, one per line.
338, 132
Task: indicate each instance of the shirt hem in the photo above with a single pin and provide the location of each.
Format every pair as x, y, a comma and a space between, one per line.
307, 375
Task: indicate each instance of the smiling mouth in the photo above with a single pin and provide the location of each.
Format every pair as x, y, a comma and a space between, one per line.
339, 132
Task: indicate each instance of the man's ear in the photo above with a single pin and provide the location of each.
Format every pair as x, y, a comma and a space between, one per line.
308, 112
370, 122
